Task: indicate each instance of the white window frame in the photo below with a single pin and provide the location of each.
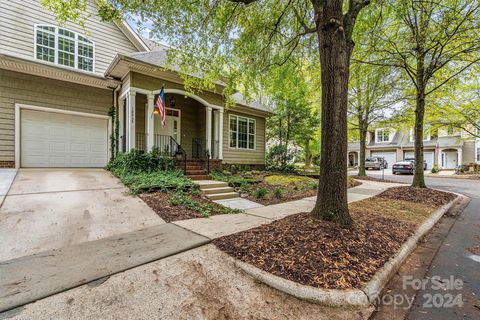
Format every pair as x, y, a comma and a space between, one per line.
426, 137
248, 134
377, 135
56, 49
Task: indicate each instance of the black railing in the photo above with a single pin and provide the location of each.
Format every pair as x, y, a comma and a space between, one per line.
140, 141
199, 153
168, 146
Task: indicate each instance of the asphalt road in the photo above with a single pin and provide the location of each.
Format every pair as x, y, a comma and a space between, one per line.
451, 287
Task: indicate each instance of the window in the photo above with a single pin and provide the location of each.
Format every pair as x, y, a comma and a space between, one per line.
426, 135
450, 130
382, 135
64, 47
242, 132
478, 154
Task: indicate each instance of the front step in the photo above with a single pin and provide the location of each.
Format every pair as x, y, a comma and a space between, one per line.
217, 190
204, 185
222, 196
200, 172
199, 177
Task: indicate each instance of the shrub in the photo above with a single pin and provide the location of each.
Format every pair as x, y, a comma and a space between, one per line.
260, 193
278, 193
138, 161
283, 180
435, 169
157, 181
205, 209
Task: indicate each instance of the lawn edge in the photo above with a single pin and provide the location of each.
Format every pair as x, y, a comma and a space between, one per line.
363, 297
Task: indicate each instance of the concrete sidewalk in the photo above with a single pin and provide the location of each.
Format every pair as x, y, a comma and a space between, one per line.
30, 278
222, 225
6, 179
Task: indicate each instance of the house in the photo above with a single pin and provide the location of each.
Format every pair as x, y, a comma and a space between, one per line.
60, 84
447, 148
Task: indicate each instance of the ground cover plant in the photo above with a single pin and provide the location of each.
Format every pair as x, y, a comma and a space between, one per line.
326, 255
163, 187
272, 187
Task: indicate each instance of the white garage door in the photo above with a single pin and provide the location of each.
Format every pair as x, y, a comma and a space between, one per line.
427, 156
391, 157
50, 139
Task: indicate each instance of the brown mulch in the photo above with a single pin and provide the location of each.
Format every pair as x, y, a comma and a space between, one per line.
369, 178
291, 192
160, 203
319, 253
429, 197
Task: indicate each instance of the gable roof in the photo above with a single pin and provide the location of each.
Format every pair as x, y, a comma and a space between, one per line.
133, 36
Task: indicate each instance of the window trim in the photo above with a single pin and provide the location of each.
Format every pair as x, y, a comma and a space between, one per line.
248, 134
383, 141
56, 49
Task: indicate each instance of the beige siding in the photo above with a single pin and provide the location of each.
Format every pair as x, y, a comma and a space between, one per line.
32, 90
243, 156
17, 20
468, 154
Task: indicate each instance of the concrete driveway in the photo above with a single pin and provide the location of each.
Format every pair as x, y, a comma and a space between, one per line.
52, 208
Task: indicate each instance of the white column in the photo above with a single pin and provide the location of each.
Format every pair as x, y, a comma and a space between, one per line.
131, 120
209, 129
459, 156
121, 120
149, 123
220, 134
215, 134
439, 159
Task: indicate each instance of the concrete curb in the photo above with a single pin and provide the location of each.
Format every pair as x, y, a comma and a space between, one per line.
350, 297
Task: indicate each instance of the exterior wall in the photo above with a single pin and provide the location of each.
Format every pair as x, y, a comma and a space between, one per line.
17, 20
33, 90
244, 156
468, 154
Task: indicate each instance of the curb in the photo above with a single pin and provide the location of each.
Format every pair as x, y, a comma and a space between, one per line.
350, 297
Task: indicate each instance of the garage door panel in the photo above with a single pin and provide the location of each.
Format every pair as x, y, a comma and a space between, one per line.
390, 157
50, 139
427, 156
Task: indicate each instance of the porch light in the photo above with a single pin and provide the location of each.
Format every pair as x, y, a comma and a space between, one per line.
156, 111
172, 101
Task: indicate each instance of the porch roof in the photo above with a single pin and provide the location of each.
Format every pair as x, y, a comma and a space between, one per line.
158, 59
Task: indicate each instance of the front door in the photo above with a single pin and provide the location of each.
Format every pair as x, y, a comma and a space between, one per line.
171, 129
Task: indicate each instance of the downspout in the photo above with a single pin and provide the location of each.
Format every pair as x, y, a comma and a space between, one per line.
115, 138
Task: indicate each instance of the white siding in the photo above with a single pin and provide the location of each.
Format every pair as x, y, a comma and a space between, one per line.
18, 18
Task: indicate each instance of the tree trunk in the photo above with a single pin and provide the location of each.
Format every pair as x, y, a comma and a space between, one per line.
419, 177
363, 146
334, 54
308, 155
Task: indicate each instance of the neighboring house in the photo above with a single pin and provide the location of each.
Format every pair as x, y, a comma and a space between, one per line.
59, 83
447, 148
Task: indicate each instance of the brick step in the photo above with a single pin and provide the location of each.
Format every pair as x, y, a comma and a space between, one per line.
209, 191
223, 196
196, 172
199, 177
195, 168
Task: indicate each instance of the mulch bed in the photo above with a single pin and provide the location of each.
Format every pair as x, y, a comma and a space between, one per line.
369, 178
291, 193
319, 253
160, 203
429, 197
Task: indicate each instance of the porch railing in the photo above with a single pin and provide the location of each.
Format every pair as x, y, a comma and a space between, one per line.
199, 153
140, 141
167, 145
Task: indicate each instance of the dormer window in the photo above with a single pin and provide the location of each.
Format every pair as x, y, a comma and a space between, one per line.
382, 135
64, 47
426, 135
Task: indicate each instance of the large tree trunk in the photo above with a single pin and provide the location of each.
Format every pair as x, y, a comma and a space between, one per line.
334, 53
363, 146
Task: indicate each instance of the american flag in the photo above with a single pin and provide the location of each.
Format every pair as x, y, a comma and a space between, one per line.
160, 105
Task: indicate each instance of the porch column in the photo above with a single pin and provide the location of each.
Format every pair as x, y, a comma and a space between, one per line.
439, 158
131, 120
209, 130
121, 121
149, 123
459, 156
220, 134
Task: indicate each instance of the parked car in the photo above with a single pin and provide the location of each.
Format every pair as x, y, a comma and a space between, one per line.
404, 166
376, 163
413, 159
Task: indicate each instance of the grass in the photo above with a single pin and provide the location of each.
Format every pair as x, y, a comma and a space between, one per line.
284, 180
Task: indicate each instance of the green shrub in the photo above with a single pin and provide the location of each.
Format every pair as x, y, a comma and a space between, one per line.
205, 209
138, 161
435, 169
260, 193
157, 181
278, 193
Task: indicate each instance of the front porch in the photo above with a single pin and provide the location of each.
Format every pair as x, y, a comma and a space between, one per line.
193, 126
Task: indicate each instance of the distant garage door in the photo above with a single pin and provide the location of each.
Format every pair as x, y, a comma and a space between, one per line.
50, 139
391, 157
427, 156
